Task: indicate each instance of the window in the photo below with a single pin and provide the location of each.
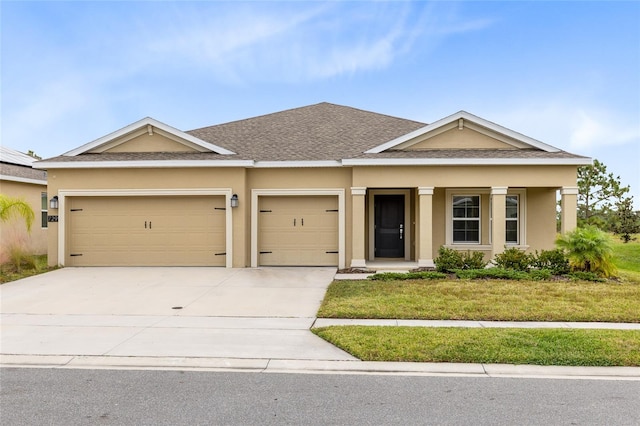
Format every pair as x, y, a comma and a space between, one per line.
43, 210
511, 220
466, 219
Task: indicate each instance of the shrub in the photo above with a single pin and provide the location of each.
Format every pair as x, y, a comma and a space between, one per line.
589, 250
473, 260
450, 260
425, 275
552, 260
586, 276
513, 258
540, 274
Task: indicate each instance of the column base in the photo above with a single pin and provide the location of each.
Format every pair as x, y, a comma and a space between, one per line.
426, 263
358, 263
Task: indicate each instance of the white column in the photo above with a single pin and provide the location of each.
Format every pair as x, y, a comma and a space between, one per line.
425, 246
358, 227
569, 207
498, 215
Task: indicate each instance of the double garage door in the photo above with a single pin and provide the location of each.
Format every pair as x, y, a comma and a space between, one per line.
146, 231
190, 231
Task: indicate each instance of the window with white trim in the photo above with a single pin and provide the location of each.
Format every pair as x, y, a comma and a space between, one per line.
512, 221
466, 219
43, 210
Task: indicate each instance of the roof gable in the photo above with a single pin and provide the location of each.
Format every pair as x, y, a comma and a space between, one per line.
165, 139
475, 133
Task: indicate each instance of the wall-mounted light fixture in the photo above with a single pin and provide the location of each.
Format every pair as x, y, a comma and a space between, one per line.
234, 200
53, 203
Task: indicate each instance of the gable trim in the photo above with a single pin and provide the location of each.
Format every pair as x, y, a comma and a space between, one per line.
456, 119
466, 162
142, 164
143, 126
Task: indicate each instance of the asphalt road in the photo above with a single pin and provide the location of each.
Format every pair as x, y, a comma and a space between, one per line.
115, 397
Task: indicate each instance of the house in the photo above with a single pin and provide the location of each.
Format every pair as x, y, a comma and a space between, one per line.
318, 185
19, 180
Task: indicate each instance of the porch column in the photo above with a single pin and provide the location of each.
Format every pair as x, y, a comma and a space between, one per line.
425, 238
498, 205
569, 207
358, 215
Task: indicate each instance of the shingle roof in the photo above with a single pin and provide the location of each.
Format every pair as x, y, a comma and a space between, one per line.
22, 172
317, 132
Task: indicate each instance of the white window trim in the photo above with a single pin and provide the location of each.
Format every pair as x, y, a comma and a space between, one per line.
522, 219
64, 193
256, 193
450, 193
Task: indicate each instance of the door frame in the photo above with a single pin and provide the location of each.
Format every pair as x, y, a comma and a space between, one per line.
371, 193
256, 193
64, 193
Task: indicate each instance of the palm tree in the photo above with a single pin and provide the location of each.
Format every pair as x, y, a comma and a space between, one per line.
588, 249
14, 207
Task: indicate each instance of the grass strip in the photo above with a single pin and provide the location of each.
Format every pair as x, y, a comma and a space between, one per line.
491, 300
574, 347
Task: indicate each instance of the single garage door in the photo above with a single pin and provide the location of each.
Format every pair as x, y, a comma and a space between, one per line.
298, 231
146, 231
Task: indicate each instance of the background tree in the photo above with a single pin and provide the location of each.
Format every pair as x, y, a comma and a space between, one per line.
625, 221
598, 192
14, 207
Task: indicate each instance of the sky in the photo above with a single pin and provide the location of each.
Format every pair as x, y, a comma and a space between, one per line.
566, 73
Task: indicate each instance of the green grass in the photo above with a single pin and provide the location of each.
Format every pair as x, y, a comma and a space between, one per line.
495, 300
29, 266
626, 257
478, 345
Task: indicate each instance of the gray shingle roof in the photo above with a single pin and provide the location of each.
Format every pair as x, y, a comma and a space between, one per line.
322, 131
23, 172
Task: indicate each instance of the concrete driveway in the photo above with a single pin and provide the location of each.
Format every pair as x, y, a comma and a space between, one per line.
262, 313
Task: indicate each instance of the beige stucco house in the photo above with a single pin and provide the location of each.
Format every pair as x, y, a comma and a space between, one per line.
318, 185
19, 180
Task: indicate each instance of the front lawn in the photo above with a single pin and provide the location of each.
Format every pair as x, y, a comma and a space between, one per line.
481, 345
494, 300
626, 257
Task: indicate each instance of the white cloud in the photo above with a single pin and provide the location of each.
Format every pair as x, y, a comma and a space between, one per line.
301, 42
596, 128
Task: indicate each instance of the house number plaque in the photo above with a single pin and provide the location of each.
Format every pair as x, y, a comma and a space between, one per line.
52, 218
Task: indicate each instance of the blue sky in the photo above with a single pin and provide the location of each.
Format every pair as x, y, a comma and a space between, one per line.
566, 73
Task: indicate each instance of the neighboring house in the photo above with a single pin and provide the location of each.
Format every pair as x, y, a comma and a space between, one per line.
318, 185
19, 180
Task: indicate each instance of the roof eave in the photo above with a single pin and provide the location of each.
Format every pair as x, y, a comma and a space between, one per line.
466, 161
141, 164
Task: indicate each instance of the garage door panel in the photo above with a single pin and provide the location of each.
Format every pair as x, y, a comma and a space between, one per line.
298, 231
146, 231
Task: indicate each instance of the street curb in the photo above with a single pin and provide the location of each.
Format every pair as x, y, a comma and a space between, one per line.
318, 367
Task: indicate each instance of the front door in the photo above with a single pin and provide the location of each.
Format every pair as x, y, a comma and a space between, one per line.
389, 225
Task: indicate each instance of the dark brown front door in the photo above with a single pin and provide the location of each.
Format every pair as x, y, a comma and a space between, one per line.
389, 225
